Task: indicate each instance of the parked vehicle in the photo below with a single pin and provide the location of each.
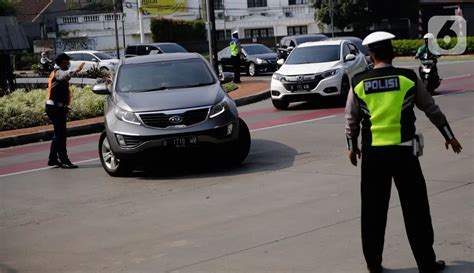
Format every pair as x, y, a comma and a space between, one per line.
92, 58
255, 59
45, 69
182, 107
153, 48
316, 69
429, 73
288, 43
358, 43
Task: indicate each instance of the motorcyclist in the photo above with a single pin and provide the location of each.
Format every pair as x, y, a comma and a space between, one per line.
46, 65
424, 52
44, 59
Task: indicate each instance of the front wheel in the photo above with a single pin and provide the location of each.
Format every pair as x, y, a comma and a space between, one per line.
252, 70
111, 164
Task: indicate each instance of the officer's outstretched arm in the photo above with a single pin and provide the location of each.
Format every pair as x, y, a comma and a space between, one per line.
425, 102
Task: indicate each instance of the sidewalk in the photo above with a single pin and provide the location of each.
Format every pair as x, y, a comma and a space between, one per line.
249, 91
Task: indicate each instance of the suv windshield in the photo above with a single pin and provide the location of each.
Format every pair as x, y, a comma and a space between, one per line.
103, 56
163, 75
314, 54
256, 49
172, 48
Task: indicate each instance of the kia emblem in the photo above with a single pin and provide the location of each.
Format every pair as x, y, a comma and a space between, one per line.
176, 119
300, 78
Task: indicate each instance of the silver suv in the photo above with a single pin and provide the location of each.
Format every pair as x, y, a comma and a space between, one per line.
165, 103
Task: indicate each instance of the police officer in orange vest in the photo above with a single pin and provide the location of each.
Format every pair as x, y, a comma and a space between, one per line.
59, 98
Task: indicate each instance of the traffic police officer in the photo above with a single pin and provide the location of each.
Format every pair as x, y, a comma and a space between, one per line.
382, 100
235, 50
59, 97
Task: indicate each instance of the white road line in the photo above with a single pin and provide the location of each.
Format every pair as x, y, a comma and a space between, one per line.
454, 62
455, 77
255, 130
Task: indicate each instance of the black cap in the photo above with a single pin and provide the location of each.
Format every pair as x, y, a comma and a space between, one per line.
61, 57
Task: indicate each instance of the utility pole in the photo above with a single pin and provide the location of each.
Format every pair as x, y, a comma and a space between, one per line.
209, 33
116, 30
331, 13
140, 15
123, 32
212, 17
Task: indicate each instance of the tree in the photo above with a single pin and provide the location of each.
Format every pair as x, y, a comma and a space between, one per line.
169, 30
353, 13
7, 7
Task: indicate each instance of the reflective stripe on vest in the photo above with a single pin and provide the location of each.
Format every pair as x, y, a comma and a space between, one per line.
384, 97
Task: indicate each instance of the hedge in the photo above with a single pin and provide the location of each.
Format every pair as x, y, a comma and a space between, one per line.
168, 30
22, 109
409, 47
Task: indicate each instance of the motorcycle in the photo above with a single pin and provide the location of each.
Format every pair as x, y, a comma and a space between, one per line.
45, 69
429, 74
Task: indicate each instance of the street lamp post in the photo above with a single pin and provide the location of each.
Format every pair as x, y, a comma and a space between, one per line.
331, 14
116, 30
140, 23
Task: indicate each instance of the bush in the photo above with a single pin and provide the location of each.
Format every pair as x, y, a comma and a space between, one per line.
168, 30
22, 109
409, 47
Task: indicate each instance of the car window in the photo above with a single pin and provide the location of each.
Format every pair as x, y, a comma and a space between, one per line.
362, 48
172, 48
131, 50
293, 44
314, 54
345, 50
256, 49
225, 53
353, 49
103, 56
88, 57
76, 56
143, 50
164, 75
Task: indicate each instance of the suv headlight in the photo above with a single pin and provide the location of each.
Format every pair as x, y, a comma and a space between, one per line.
219, 108
278, 77
330, 73
261, 61
126, 116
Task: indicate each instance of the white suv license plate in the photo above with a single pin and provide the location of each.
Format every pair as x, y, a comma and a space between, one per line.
180, 142
301, 88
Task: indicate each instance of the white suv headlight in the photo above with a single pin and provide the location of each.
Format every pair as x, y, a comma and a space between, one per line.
330, 73
261, 61
278, 77
219, 108
126, 116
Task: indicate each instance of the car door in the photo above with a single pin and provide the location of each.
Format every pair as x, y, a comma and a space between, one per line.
131, 51
226, 59
361, 63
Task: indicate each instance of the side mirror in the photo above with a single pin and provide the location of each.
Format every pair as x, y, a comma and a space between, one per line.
280, 61
101, 89
289, 49
95, 60
226, 77
349, 57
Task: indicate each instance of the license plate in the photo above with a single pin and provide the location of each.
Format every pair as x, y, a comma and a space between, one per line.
301, 88
179, 142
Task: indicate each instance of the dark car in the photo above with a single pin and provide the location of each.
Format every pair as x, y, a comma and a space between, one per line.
150, 115
358, 43
255, 59
288, 43
153, 48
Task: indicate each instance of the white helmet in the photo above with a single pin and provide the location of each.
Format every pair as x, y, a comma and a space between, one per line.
43, 54
428, 36
235, 32
376, 37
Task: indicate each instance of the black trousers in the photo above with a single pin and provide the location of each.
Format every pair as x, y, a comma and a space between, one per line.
58, 116
379, 166
236, 65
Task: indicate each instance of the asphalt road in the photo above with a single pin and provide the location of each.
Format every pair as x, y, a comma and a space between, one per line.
293, 206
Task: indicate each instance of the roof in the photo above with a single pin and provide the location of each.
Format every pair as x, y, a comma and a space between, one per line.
321, 43
12, 35
350, 38
161, 57
29, 10
305, 36
81, 51
153, 44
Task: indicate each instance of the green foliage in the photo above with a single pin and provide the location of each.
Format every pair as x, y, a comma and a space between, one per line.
8, 7
229, 87
168, 30
345, 13
22, 109
409, 47
96, 73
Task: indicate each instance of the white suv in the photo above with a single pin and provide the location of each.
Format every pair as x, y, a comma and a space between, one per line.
91, 59
316, 69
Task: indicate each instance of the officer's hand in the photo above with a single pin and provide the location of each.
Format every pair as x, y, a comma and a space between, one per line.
354, 155
80, 67
457, 148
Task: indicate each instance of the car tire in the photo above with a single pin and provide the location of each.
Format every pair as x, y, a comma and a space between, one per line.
240, 148
111, 164
280, 104
345, 88
252, 70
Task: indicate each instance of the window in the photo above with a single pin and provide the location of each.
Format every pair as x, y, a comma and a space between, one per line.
89, 57
258, 33
353, 49
219, 4
314, 54
297, 30
256, 3
345, 50
76, 56
298, 2
131, 50
221, 36
225, 53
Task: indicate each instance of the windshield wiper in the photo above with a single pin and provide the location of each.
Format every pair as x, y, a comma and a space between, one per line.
194, 85
153, 89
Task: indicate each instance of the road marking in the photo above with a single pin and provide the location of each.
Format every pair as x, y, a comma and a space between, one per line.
293, 123
45, 168
417, 65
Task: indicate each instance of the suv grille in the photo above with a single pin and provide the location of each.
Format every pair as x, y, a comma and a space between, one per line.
162, 120
304, 83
